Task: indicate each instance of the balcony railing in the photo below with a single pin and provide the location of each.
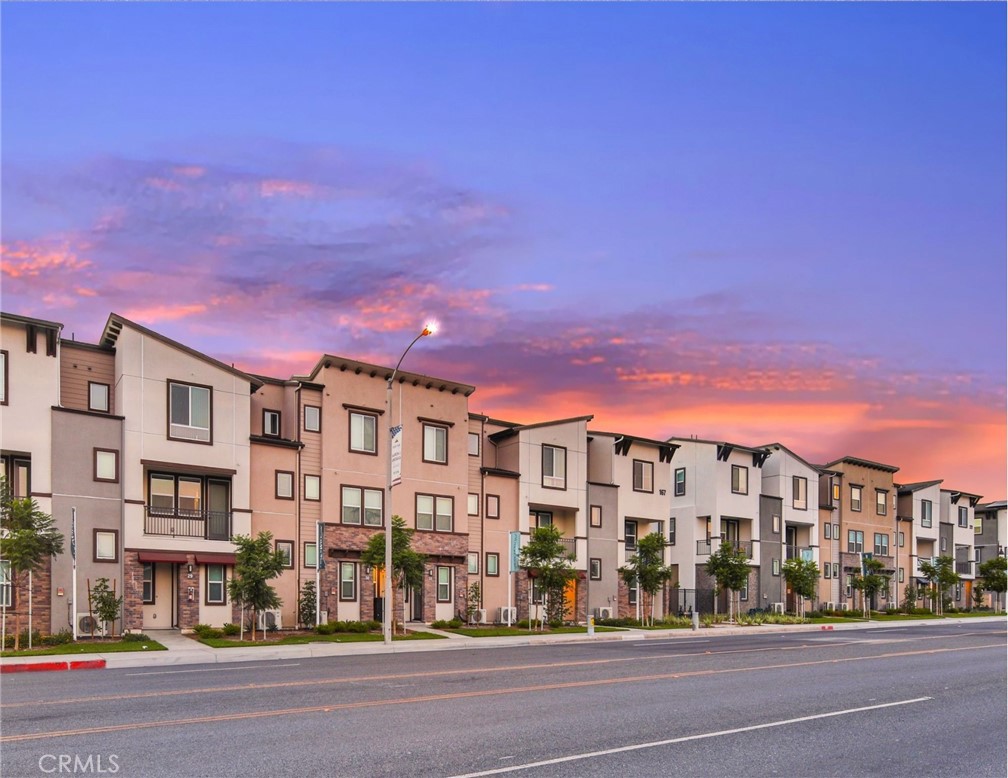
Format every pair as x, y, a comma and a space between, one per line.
964, 568
703, 547
209, 525
570, 546
798, 552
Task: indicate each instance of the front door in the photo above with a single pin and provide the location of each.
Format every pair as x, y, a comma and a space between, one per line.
158, 611
570, 600
219, 510
416, 603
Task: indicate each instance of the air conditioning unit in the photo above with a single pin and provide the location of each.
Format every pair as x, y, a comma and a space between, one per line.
480, 616
830, 606
603, 613
843, 606
778, 607
86, 622
503, 613
323, 617
270, 620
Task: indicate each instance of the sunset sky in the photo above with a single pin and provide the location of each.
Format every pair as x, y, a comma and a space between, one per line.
749, 222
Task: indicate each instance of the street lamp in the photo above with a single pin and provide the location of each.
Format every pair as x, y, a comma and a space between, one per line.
388, 610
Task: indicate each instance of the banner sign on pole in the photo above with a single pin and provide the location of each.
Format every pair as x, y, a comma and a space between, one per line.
319, 555
515, 551
396, 454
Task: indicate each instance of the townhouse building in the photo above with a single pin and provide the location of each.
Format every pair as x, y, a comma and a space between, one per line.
830, 517
990, 534
956, 537
918, 509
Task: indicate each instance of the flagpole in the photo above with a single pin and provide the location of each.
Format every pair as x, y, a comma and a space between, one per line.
73, 554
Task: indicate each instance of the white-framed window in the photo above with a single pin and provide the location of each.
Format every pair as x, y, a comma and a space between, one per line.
313, 488
849, 585
189, 412
680, 481
493, 506
977, 525
444, 584
472, 505
739, 479
106, 545
835, 492
148, 583
434, 513
554, 467
98, 397
493, 564
880, 502
362, 505
775, 567
944, 545
3, 378
215, 591
743, 594
926, 508
855, 498
348, 581
799, 492
595, 515
310, 555
474, 444
595, 569
643, 476
284, 484
775, 524
900, 539
312, 418
286, 548
902, 574
472, 562
435, 444
363, 438
825, 569
106, 465
271, 423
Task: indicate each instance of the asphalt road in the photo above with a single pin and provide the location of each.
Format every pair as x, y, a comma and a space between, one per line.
900, 701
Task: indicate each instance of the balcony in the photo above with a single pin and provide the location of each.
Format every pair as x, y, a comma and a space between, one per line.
570, 546
964, 568
703, 547
207, 525
798, 552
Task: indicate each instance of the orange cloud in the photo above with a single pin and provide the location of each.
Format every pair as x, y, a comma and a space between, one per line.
276, 187
156, 313
164, 184
22, 259
189, 171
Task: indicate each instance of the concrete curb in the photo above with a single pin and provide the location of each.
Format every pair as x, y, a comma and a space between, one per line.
42, 667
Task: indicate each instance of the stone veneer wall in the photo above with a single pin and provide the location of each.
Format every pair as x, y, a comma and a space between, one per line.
523, 584
41, 600
132, 592
188, 610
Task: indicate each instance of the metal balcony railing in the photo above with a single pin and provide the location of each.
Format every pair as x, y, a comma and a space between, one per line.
703, 547
798, 552
209, 525
964, 568
570, 545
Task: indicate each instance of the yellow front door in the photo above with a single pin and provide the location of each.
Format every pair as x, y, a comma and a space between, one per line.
570, 600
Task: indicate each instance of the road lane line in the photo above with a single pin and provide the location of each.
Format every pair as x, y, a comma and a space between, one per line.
133, 725
213, 670
688, 738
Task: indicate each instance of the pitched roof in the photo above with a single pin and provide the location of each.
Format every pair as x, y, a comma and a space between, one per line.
385, 373
915, 487
863, 463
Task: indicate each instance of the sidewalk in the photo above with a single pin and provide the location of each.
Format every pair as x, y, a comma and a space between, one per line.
183, 650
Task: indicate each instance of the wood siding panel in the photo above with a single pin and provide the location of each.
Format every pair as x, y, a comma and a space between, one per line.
78, 366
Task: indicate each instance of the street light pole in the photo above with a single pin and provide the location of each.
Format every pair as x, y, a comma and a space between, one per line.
388, 609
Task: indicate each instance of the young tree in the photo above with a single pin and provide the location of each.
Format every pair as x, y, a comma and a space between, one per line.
648, 570
910, 596
994, 573
729, 567
869, 582
941, 574
256, 564
803, 577
549, 562
306, 604
106, 606
27, 538
472, 601
407, 564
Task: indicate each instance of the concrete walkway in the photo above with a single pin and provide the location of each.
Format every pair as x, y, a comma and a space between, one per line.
183, 650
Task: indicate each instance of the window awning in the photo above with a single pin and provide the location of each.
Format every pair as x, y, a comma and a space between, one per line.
215, 559
162, 556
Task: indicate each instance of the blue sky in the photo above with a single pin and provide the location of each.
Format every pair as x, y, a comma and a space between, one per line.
736, 220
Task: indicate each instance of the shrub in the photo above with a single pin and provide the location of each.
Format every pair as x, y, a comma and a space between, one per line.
62, 637
231, 629
134, 637
206, 631
455, 623
373, 625
326, 629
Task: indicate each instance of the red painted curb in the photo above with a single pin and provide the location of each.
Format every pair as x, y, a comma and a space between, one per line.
88, 664
35, 667
826, 626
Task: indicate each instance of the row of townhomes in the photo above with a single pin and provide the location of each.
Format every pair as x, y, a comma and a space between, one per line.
166, 454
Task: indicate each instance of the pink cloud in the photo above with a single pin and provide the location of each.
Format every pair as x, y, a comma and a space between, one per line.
22, 259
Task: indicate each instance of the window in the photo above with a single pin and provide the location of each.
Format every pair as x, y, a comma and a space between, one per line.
881, 544
632, 593
825, 569
643, 476
901, 539
493, 506
671, 531
977, 525
474, 443
313, 488
963, 516
855, 498
189, 413
360, 503
880, 502
925, 513
106, 465
836, 532
739, 479
680, 481
215, 585
271, 424
630, 534
554, 467
541, 519
799, 493
836, 569
473, 505
493, 564
148, 583
284, 485
106, 545
312, 418
98, 397
826, 531
3, 393
775, 524
310, 555
348, 581
849, 585
286, 548
836, 492
434, 513
775, 567
901, 574
595, 515
595, 569
538, 592
855, 541
444, 584
472, 563
435, 444
362, 432
744, 592
944, 545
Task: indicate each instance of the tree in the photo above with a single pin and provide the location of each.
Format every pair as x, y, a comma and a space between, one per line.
803, 577
27, 538
870, 581
910, 596
407, 564
940, 574
104, 603
256, 563
648, 570
729, 567
472, 601
306, 604
549, 563
994, 573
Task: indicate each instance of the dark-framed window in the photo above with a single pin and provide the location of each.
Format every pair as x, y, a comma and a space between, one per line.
106, 545
775, 524
775, 567
825, 569
148, 583
743, 594
190, 412
435, 443
6, 587
474, 444
836, 532
472, 563
963, 516
632, 593
630, 534
643, 476
348, 581
310, 555
312, 418
855, 498
680, 481
554, 467
900, 539
880, 502
434, 512
595, 569
492, 564
4, 383
799, 492
836, 492
186, 495
827, 535
493, 506
926, 508
361, 506
444, 583
286, 547
671, 531
740, 479
473, 504
271, 423
902, 574
595, 515
363, 432
216, 585
98, 397
855, 541
106, 465
312, 488
284, 480
881, 544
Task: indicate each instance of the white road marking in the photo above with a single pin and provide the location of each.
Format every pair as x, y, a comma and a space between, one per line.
213, 669
672, 741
